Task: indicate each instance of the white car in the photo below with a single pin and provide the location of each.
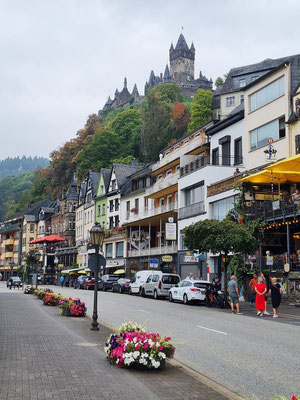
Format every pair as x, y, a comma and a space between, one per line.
138, 281
189, 291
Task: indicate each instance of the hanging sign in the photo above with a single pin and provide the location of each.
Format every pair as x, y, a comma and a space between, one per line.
167, 258
170, 231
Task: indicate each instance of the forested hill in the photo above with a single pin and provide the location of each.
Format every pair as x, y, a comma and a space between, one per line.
17, 165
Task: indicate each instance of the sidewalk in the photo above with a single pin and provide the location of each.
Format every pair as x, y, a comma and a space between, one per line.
46, 356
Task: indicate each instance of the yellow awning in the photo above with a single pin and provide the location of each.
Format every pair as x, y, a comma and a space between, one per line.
267, 176
284, 171
119, 272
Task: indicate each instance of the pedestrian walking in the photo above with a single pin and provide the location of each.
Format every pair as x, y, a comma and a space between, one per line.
216, 282
275, 293
62, 281
252, 284
261, 275
260, 304
234, 295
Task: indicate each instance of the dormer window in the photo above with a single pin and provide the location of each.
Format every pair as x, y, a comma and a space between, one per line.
242, 82
113, 184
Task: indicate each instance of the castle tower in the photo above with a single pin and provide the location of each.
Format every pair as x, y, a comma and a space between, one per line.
182, 60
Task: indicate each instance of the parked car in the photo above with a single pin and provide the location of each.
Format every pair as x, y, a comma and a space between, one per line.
138, 281
15, 281
158, 284
121, 286
89, 283
189, 291
79, 282
107, 282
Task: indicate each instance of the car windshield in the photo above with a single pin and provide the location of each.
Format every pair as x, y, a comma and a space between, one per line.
170, 279
122, 280
16, 278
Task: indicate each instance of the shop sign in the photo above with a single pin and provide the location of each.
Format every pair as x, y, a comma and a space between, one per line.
167, 258
170, 231
189, 259
276, 205
153, 262
294, 275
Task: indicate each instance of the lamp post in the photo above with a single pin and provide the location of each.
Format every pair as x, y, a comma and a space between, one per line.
97, 237
37, 256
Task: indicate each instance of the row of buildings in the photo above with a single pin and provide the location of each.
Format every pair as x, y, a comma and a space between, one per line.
254, 140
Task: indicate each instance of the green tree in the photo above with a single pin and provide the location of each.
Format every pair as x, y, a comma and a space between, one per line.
221, 237
219, 81
99, 153
157, 124
201, 109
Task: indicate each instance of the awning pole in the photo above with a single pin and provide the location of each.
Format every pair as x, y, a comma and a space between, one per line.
288, 253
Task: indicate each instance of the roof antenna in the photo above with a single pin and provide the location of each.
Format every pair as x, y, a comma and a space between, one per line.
182, 28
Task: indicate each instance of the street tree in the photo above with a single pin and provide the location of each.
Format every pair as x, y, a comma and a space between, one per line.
222, 237
201, 109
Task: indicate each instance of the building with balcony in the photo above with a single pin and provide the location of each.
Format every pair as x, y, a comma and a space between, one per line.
85, 216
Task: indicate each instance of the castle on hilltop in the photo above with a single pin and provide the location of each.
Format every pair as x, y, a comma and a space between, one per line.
181, 72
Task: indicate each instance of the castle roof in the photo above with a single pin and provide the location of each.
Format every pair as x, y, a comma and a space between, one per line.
181, 43
167, 75
135, 89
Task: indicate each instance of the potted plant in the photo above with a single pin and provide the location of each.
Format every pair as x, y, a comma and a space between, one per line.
132, 346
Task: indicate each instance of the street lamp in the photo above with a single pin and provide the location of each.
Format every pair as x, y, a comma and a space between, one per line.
97, 237
37, 256
11, 264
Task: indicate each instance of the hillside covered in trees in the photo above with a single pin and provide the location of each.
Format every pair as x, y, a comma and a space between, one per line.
119, 135
17, 165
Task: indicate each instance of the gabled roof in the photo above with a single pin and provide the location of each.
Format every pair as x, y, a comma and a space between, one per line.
258, 70
135, 89
32, 209
122, 172
106, 173
94, 179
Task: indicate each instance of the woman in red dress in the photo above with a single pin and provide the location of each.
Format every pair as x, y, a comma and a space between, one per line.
260, 289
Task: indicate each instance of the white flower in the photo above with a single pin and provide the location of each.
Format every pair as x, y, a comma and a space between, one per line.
135, 354
161, 354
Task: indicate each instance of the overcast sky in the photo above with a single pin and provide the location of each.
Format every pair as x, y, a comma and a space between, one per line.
60, 59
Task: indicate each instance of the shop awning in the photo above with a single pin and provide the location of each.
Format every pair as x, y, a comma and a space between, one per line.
119, 272
284, 171
49, 238
67, 271
269, 176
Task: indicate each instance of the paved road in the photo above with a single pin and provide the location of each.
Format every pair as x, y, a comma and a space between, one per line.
46, 356
248, 355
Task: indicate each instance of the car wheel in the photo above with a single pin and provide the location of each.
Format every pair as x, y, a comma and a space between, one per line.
143, 293
120, 290
104, 288
185, 299
155, 295
171, 297
130, 291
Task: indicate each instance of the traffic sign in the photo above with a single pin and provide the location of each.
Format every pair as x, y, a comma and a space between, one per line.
92, 262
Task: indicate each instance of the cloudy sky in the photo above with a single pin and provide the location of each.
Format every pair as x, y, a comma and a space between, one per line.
60, 59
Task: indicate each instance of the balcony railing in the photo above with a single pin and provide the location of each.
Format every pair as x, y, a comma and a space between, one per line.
153, 251
272, 210
203, 161
191, 210
130, 217
161, 184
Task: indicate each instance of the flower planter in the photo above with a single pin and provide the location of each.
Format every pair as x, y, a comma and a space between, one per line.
66, 312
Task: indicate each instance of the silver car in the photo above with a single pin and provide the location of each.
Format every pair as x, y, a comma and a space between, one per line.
158, 284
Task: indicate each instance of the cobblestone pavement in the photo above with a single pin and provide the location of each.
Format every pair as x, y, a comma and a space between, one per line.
46, 356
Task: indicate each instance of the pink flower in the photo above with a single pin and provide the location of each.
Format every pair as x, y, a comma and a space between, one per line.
160, 347
146, 346
294, 397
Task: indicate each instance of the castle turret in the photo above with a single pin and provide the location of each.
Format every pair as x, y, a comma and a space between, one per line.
125, 83
116, 93
167, 76
182, 61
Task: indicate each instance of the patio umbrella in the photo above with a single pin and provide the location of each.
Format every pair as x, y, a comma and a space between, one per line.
49, 238
82, 271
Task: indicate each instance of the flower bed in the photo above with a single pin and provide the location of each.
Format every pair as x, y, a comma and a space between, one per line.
72, 307
51, 299
42, 292
29, 290
132, 346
